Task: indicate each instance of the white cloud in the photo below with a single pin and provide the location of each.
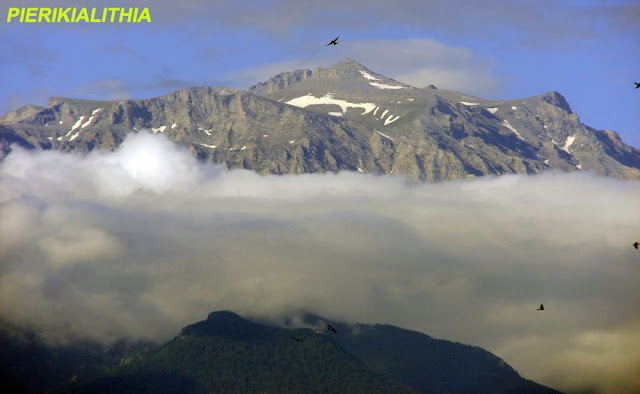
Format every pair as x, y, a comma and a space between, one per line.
79, 245
144, 240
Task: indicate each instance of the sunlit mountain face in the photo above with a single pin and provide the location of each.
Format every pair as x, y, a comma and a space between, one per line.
345, 117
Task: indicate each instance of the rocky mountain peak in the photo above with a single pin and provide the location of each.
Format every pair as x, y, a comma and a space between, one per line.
280, 81
53, 101
223, 324
349, 64
350, 70
345, 71
555, 98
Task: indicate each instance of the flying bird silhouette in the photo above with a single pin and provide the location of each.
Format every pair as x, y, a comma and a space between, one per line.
541, 308
330, 328
297, 339
333, 42
635, 245
637, 83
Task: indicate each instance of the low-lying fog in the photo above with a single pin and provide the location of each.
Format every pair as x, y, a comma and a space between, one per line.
144, 240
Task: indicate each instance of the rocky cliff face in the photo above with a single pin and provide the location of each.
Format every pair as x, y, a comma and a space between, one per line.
438, 134
341, 118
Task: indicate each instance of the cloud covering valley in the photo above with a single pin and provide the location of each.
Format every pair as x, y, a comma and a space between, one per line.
144, 240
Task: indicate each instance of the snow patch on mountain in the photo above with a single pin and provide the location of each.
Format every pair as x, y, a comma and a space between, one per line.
384, 86
384, 135
568, 143
506, 124
207, 132
390, 119
328, 99
368, 76
88, 122
75, 126
493, 110
85, 124
378, 84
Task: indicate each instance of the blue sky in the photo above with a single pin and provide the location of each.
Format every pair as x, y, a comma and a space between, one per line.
586, 50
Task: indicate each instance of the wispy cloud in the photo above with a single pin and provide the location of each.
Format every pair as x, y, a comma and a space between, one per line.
105, 89
423, 61
36, 59
417, 61
120, 49
544, 21
37, 96
143, 240
166, 80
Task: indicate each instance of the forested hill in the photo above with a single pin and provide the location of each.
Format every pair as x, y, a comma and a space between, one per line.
227, 353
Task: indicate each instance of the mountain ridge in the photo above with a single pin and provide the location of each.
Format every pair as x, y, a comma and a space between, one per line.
345, 117
227, 352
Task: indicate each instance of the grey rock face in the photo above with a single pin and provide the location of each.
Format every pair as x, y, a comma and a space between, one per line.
440, 134
346, 117
20, 114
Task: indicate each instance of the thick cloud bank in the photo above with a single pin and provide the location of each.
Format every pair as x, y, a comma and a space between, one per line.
141, 241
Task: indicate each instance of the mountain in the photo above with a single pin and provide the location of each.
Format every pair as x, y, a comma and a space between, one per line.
427, 364
441, 134
227, 353
222, 125
345, 117
29, 365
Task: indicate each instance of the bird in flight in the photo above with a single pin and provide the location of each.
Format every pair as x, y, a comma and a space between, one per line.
635, 245
541, 308
333, 42
330, 328
637, 83
297, 339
